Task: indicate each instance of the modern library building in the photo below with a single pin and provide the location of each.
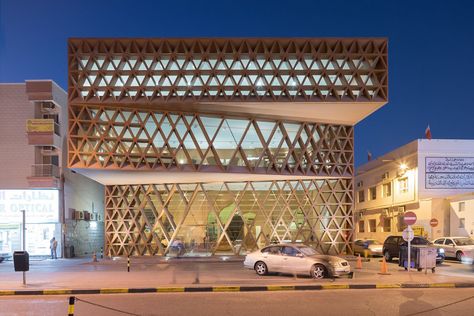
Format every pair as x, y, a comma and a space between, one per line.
222, 145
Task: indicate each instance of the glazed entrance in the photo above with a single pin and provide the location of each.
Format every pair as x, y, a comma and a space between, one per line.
228, 218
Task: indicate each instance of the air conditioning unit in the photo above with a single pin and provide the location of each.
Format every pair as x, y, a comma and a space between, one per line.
87, 216
78, 215
385, 176
360, 184
72, 213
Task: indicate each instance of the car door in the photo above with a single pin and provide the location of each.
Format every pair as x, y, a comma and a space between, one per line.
293, 261
449, 249
272, 258
439, 243
359, 246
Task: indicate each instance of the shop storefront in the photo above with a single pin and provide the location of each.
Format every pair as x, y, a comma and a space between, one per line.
42, 220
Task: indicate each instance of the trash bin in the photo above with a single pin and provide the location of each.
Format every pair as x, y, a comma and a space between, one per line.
69, 252
21, 261
420, 257
426, 258
403, 256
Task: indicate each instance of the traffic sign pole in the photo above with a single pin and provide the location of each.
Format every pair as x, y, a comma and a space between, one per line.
409, 249
409, 218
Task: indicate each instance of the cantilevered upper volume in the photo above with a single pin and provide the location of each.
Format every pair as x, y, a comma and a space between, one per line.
325, 80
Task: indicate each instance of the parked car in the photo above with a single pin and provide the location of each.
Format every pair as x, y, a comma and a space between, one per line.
370, 246
296, 259
455, 247
391, 247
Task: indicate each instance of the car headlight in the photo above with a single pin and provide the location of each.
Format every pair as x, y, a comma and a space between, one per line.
441, 250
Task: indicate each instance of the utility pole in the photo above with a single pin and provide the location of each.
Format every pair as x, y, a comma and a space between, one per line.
24, 241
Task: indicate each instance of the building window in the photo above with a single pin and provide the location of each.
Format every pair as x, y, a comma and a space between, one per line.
361, 227
372, 225
373, 193
403, 185
387, 224
462, 206
387, 189
361, 196
462, 223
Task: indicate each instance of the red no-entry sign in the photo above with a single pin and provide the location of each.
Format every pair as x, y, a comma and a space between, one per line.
434, 222
409, 218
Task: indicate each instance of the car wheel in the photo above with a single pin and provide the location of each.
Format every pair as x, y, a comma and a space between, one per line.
318, 271
261, 268
387, 256
459, 255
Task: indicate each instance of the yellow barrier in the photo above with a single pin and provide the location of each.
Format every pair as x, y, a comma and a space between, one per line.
57, 292
280, 288
226, 288
388, 286
111, 291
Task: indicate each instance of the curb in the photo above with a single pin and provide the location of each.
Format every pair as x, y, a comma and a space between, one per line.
268, 288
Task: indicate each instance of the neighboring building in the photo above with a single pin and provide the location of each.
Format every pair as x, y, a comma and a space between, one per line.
422, 176
222, 145
33, 128
462, 214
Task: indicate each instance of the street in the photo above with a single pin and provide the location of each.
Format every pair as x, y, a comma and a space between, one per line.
349, 302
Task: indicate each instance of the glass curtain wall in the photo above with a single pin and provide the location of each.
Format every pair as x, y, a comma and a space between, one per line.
228, 218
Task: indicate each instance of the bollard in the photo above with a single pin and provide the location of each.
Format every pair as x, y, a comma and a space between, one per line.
70, 308
128, 263
101, 252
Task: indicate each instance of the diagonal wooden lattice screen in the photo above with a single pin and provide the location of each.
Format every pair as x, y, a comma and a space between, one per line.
211, 70
228, 218
130, 139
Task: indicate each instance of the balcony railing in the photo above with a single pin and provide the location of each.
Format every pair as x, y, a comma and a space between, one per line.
45, 170
42, 126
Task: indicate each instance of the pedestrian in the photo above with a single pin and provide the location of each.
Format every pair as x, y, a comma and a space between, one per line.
53, 244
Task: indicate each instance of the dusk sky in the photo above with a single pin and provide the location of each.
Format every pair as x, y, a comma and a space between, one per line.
431, 48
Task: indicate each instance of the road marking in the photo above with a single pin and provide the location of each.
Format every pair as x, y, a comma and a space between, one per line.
226, 288
113, 290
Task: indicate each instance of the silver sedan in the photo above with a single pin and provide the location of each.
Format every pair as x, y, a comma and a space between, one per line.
296, 259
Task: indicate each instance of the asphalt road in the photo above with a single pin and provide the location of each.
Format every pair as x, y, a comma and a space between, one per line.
334, 302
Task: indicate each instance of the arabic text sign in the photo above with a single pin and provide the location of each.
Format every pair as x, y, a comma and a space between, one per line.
42, 206
449, 164
449, 173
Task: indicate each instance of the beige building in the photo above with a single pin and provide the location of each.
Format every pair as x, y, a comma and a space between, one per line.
429, 177
33, 177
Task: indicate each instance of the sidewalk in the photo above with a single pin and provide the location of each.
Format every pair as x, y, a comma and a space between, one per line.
205, 274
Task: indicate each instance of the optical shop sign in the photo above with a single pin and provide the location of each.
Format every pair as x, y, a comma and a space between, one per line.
41, 206
449, 172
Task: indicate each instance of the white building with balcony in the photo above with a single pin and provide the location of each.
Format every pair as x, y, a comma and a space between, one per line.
429, 177
34, 177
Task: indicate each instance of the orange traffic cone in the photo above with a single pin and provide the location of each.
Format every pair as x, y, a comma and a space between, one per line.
383, 267
359, 262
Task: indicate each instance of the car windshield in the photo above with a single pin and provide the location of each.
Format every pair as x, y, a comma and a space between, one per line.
307, 251
464, 241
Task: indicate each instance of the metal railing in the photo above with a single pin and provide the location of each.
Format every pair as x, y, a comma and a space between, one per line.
45, 170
